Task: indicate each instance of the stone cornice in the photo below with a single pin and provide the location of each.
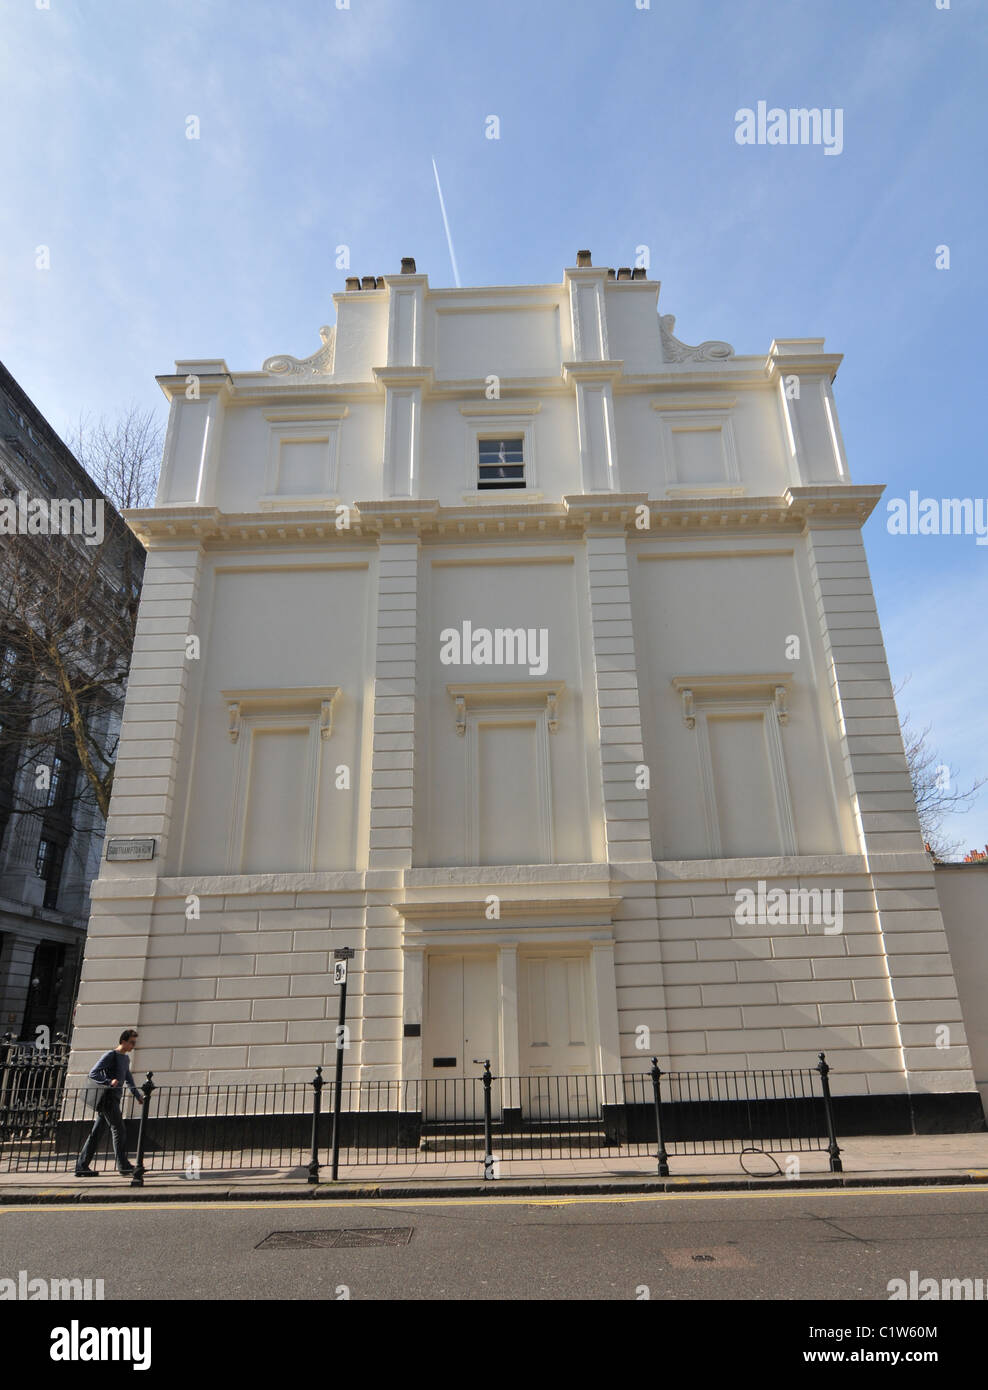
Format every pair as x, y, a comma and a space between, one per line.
242, 389
412, 518
219, 383
509, 907
261, 388
593, 371
803, 364
421, 377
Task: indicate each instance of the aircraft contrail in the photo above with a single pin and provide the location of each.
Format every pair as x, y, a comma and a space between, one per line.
449, 239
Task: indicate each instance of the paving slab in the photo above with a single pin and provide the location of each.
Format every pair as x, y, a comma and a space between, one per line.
867, 1161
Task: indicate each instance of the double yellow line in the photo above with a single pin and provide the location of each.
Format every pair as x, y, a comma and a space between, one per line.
576, 1199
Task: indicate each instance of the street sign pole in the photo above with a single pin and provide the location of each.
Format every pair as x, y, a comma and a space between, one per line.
341, 957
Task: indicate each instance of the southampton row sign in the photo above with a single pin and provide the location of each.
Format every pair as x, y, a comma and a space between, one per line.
129, 849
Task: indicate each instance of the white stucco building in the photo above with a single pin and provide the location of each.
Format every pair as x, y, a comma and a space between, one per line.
538, 858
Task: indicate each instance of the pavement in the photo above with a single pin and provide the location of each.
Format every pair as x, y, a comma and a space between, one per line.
880, 1161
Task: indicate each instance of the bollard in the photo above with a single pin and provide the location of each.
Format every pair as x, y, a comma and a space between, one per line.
663, 1157
138, 1179
488, 1140
833, 1148
317, 1085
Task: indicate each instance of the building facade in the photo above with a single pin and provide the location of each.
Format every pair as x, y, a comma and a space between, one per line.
532, 653
51, 830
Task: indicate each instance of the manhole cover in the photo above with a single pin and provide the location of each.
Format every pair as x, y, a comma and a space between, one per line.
337, 1240
718, 1256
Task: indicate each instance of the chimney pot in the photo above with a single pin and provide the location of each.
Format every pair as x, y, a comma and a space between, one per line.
369, 282
408, 265
583, 259
639, 273
624, 272
352, 282
610, 274
380, 282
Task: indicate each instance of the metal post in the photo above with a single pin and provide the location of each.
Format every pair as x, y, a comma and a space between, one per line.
833, 1148
138, 1179
663, 1157
338, 1089
317, 1085
488, 1141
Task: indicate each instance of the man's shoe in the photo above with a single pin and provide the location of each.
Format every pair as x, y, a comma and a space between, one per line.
86, 1173
126, 1168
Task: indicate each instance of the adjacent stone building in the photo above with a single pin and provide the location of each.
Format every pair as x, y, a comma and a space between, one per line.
50, 829
532, 653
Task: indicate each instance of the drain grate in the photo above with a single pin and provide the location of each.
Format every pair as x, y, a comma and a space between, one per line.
352, 1239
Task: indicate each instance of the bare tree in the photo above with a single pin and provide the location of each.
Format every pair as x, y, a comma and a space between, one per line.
121, 456
67, 632
937, 791
68, 614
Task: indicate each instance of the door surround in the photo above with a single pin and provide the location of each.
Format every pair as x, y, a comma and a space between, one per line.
461, 927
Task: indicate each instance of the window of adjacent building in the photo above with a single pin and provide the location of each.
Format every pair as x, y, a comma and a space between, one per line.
46, 987
8, 667
501, 464
57, 785
48, 866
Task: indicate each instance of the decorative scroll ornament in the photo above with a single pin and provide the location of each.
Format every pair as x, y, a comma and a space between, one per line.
319, 364
675, 351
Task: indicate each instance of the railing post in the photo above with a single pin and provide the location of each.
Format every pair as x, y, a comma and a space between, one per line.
833, 1147
317, 1085
663, 1157
488, 1140
138, 1179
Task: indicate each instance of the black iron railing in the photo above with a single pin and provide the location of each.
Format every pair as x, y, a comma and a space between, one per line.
483, 1121
32, 1080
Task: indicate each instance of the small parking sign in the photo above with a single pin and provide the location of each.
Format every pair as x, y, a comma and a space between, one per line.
339, 972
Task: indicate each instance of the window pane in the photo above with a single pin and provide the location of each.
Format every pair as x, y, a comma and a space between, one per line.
501, 450
501, 463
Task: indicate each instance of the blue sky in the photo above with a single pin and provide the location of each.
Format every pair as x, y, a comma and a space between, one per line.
317, 128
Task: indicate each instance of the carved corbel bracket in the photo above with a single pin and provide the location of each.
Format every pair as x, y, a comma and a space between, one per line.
504, 695
782, 704
326, 716
300, 699
552, 709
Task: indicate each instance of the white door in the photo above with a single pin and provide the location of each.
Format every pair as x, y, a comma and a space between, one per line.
557, 1037
461, 1024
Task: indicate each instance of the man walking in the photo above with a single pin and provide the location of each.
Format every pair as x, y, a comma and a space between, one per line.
111, 1073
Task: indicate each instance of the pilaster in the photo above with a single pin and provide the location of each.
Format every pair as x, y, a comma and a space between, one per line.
402, 464
626, 820
913, 940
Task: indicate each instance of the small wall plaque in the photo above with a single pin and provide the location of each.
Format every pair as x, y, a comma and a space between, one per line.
119, 849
